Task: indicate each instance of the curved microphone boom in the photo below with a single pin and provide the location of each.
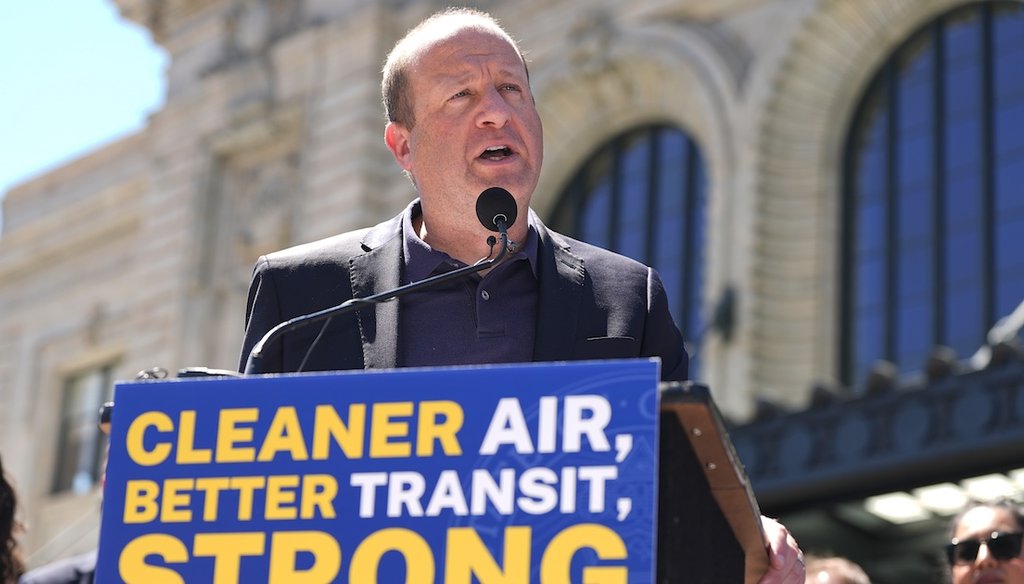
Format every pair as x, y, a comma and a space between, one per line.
496, 210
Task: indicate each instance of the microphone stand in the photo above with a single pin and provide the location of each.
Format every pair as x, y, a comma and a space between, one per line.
254, 364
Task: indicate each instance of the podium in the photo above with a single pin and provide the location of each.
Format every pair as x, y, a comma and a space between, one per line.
585, 471
709, 523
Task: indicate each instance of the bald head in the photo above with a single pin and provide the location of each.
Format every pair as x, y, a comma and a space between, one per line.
442, 25
834, 570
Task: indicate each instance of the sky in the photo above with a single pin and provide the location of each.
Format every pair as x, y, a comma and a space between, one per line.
75, 76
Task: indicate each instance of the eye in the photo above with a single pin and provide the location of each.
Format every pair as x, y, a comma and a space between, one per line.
463, 93
510, 87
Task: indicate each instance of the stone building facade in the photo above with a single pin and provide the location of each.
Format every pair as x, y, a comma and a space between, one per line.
139, 254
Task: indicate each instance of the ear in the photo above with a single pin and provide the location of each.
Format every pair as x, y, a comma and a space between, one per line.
396, 136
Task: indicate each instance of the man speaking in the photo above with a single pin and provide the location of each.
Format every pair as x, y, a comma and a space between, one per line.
461, 119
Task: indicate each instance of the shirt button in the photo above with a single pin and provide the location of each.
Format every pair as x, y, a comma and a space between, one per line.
485, 295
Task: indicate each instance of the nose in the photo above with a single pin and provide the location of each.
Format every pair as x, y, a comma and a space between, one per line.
494, 110
984, 558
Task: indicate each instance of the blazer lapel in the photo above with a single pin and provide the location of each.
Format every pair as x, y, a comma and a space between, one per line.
561, 277
373, 272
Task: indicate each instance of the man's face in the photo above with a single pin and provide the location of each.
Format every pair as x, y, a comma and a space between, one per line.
476, 125
980, 523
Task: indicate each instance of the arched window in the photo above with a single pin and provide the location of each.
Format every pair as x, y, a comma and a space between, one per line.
933, 211
643, 194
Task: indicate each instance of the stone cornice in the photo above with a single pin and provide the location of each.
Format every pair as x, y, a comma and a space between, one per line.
694, 9
82, 225
155, 14
260, 125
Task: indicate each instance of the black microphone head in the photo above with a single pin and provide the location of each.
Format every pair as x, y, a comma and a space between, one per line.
496, 204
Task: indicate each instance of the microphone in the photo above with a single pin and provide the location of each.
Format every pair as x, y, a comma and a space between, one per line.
495, 209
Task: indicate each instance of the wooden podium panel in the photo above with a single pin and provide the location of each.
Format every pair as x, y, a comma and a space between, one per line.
709, 523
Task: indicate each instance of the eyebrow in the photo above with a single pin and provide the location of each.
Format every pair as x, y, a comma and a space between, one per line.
466, 73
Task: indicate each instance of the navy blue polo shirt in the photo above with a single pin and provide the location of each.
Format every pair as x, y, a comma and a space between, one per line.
472, 320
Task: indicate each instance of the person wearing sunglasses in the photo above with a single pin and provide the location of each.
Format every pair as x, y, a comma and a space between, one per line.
985, 544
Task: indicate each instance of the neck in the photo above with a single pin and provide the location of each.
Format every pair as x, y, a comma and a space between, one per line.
464, 243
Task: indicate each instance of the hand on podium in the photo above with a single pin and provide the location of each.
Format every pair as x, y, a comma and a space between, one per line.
787, 561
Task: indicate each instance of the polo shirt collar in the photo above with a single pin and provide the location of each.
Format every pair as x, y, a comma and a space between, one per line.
422, 261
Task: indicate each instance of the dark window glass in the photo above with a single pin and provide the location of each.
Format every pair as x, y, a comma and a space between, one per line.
81, 444
1010, 187
653, 178
1009, 119
934, 201
596, 216
670, 229
915, 93
632, 229
1009, 264
870, 338
962, 139
1008, 41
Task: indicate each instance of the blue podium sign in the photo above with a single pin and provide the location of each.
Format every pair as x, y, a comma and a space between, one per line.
536, 473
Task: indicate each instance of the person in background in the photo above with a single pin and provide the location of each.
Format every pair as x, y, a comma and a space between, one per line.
11, 565
834, 570
461, 119
985, 544
80, 569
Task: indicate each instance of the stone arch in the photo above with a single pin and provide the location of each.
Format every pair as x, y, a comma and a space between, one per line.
805, 124
652, 72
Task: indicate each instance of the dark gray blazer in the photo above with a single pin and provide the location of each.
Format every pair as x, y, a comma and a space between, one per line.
593, 304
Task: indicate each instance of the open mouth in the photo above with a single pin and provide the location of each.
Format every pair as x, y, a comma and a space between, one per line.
496, 153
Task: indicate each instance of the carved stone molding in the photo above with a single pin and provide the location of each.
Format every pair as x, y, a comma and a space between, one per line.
619, 73
591, 38
155, 14
250, 27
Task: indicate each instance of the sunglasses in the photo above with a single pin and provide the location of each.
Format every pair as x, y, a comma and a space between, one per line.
1001, 545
